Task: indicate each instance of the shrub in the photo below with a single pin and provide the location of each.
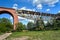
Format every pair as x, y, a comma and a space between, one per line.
30, 25
5, 25
20, 27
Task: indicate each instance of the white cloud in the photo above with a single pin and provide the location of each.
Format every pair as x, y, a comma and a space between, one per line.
48, 10
18, 18
21, 19
36, 1
47, 2
24, 8
45, 22
11, 17
39, 6
15, 6
31, 20
58, 11
51, 1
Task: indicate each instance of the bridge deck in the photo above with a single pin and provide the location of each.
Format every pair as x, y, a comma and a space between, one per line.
35, 13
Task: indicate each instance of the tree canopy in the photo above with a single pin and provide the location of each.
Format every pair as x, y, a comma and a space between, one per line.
5, 25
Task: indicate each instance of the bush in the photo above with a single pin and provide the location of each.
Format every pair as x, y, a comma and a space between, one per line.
30, 25
56, 24
39, 24
5, 25
20, 27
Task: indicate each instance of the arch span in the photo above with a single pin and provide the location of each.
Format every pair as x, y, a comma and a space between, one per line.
12, 12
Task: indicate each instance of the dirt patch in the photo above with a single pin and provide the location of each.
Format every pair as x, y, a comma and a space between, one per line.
2, 37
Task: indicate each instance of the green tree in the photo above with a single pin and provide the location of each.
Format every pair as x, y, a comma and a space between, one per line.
30, 25
5, 25
20, 27
49, 26
56, 24
39, 24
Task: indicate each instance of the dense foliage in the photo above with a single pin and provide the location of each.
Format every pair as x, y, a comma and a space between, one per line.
20, 27
56, 24
39, 25
5, 25
30, 26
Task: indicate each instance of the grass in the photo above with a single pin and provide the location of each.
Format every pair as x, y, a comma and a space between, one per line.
37, 35
1, 33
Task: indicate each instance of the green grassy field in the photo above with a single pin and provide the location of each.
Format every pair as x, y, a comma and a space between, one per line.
38, 35
1, 33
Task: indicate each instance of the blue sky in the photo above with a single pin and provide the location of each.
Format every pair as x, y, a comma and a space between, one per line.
48, 6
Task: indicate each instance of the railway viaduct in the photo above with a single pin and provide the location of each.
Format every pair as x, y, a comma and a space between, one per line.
15, 14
